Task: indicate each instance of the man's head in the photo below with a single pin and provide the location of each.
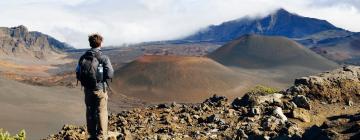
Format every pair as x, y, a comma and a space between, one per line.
95, 40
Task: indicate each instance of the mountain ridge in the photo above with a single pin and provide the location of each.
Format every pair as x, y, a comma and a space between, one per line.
280, 23
20, 42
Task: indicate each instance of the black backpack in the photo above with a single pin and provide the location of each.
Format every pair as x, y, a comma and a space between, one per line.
90, 69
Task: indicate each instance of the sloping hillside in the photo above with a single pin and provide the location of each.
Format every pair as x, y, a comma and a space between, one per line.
255, 51
344, 49
39, 110
19, 42
173, 78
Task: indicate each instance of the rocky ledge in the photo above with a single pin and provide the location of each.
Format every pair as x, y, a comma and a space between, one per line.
294, 113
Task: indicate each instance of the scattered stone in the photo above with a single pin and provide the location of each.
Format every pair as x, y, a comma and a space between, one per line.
127, 135
302, 101
301, 114
241, 134
254, 116
274, 98
113, 135
122, 121
163, 137
163, 106
289, 105
237, 103
174, 104
216, 101
164, 130
257, 99
205, 107
350, 103
347, 68
230, 113
213, 136
272, 123
302, 81
279, 113
295, 131
255, 111
188, 118
196, 117
212, 119
71, 132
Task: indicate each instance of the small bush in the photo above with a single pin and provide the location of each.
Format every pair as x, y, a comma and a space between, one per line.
4, 135
260, 89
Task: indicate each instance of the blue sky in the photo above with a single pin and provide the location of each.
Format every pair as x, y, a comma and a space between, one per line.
133, 21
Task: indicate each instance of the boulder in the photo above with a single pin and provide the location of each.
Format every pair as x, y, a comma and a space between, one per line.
302, 81
274, 98
335, 86
272, 123
255, 99
302, 101
279, 113
212, 119
216, 101
241, 134
301, 114
255, 111
163, 106
295, 131
237, 103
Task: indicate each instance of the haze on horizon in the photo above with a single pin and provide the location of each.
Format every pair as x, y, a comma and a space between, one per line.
134, 21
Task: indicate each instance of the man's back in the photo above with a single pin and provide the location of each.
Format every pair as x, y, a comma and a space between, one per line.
92, 64
108, 71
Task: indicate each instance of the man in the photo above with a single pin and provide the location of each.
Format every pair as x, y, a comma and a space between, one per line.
92, 71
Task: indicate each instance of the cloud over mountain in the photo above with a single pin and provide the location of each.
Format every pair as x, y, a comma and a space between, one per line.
124, 21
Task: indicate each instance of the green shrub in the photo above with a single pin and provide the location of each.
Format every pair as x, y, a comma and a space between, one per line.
4, 135
260, 89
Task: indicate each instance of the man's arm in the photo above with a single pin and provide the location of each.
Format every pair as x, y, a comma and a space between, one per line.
108, 68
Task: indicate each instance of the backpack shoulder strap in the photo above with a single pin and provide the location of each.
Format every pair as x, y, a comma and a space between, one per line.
97, 55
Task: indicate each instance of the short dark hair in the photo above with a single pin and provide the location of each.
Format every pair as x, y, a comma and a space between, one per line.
95, 40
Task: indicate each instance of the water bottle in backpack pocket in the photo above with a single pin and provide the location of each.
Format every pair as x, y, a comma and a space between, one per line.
100, 73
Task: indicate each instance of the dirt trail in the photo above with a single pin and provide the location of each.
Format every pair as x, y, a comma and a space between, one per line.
39, 110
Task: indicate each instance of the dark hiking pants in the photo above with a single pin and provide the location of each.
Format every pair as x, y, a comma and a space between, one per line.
96, 114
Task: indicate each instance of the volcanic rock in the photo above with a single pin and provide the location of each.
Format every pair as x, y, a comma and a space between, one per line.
301, 114
339, 85
302, 101
254, 116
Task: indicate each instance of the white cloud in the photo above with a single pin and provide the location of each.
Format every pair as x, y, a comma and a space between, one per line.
132, 21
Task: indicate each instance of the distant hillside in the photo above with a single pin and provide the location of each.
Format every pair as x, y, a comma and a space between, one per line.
343, 49
280, 23
255, 51
319, 38
173, 78
19, 42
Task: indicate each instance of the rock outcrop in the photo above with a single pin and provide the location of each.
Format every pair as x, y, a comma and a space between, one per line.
19, 42
285, 115
342, 85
